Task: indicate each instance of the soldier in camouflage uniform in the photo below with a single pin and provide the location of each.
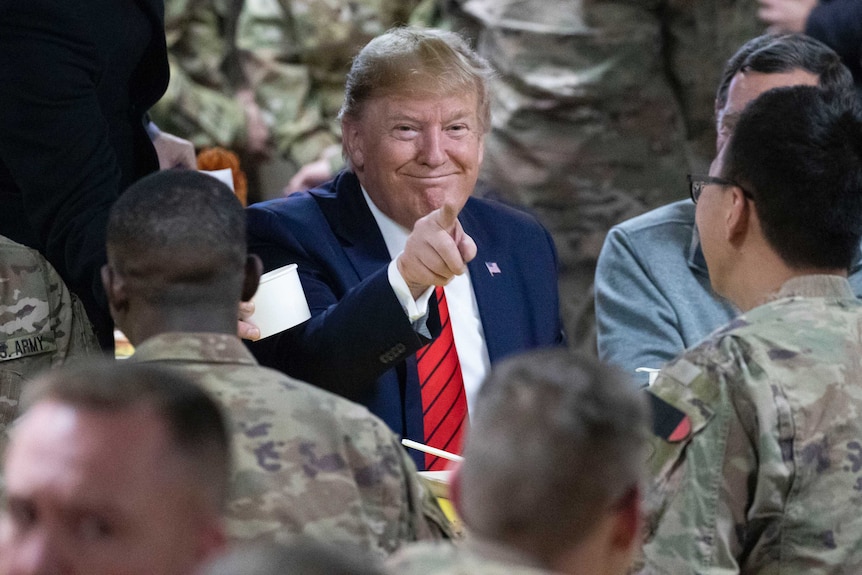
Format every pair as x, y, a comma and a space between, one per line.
653, 295
42, 324
201, 102
550, 482
305, 461
600, 109
756, 459
277, 66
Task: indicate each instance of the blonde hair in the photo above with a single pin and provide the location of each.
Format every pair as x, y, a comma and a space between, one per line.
417, 61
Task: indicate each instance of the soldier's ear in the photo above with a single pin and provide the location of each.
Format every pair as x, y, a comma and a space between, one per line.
739, 212
115, 289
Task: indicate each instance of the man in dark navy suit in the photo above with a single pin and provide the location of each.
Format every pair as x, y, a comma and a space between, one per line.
372, 244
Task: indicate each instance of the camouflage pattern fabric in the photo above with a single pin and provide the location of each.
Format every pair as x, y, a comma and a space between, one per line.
765, 473
299, 55
468, 559
600, 109
305, 461
42, 324
199, 104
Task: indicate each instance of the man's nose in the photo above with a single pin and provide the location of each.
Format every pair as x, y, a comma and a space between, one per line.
432, 150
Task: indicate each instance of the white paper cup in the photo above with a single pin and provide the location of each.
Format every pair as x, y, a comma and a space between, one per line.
279, 303
224, 175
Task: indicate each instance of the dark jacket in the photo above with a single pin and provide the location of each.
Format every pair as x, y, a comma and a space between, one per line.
76, 80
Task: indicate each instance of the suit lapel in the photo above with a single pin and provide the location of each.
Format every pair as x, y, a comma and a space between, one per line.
491, 274
354, 224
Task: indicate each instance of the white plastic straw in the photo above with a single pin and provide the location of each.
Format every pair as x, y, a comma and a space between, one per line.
432, 450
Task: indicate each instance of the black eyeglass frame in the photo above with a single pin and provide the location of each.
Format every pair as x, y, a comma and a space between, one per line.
697, 182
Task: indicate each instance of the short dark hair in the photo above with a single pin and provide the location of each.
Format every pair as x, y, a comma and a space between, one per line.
196, 424
175, 212
775, 53
556, 439
798, 151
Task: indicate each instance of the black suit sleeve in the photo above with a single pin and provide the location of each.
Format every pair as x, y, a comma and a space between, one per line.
55, 148
357, 331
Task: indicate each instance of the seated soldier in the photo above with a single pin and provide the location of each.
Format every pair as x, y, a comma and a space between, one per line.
306, 461
114, 468
755, 465
550, 478
653, 297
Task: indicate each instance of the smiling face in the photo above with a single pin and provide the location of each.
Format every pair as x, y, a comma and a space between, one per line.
412, 154
93, 493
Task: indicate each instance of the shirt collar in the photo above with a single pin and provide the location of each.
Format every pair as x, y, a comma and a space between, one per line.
394, 234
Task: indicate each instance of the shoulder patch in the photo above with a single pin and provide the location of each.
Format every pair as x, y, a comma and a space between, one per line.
668, 422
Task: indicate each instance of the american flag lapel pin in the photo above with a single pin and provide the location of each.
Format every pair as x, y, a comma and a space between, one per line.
493, 268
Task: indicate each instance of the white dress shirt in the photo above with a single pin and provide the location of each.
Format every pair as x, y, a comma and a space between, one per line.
463, 310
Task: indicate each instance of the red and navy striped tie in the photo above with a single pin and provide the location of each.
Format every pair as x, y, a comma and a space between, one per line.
444, 403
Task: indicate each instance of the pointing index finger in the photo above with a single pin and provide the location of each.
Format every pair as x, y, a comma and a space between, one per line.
447, 217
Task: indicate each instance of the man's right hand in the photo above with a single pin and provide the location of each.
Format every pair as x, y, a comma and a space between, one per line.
785, 15
436, 250
244, 328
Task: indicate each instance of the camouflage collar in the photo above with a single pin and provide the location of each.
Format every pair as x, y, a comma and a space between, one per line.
201, 347
816, 285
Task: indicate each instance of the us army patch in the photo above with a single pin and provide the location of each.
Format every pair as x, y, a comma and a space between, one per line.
668, 422
27, 345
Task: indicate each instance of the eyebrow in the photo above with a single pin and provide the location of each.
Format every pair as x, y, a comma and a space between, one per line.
456, 115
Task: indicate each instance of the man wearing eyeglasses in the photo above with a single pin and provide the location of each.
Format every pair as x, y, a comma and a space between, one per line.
653, 294
756, 463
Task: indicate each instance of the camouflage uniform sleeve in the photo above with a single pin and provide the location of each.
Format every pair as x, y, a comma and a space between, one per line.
271, 39
422, 518
72, 329
298, 55
199, 103
704, 35
698, 474
41, 323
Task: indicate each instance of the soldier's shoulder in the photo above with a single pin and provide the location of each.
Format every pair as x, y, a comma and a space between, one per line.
13, 254
292, 404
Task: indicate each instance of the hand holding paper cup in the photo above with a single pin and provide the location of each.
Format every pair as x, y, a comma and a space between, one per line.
279, 303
